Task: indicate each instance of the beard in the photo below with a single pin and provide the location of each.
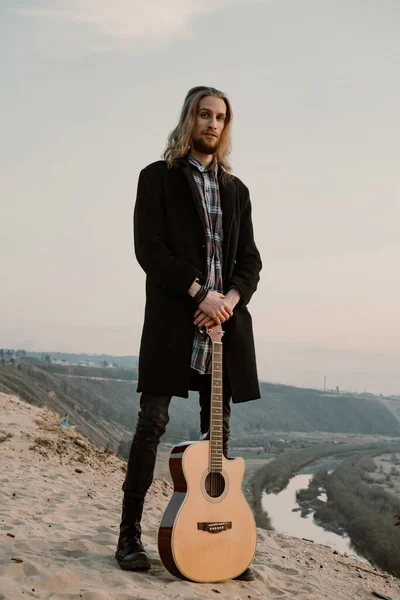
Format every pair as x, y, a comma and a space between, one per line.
204, 147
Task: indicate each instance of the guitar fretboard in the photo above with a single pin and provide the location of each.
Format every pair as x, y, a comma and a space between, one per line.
216, 428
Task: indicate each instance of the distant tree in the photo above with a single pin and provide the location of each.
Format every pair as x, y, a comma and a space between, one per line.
1, 353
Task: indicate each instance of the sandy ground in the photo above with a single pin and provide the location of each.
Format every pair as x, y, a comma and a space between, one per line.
60, 503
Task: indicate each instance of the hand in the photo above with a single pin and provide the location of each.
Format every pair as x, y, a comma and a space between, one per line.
214, 305
232, 298
203, 320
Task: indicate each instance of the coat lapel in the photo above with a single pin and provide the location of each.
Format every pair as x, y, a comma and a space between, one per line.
195, 193
227, 191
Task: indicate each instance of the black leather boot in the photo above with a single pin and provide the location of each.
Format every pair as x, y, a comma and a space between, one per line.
130, 554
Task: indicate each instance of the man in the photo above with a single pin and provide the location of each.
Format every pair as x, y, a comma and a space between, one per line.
194, 239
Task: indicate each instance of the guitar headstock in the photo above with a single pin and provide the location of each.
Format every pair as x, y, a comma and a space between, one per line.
215, 333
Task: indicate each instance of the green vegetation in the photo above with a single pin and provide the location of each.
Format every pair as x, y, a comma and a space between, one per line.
93, 403
103, 371
274, 476
286, 408
363, 510
124, 362
282, 408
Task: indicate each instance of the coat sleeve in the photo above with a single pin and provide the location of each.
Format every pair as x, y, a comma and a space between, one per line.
172, 273
246, 273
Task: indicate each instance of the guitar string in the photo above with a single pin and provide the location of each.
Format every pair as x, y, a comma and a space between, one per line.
216, 483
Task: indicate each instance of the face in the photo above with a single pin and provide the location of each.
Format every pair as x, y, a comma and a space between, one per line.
209, 124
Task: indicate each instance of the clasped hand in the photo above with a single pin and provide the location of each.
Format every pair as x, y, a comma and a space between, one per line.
216, 308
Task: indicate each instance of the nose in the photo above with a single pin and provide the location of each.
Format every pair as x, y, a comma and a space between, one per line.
214, 122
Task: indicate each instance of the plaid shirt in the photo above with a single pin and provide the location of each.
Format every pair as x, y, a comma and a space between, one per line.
206, 179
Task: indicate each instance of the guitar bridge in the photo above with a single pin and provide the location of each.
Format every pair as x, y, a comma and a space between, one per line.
215, 527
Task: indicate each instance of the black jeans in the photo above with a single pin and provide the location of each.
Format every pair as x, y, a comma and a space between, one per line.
152, 422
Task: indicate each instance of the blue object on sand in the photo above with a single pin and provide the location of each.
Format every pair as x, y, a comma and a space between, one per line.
64, 423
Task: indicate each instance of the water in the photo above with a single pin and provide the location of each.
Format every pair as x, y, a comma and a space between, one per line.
280, 510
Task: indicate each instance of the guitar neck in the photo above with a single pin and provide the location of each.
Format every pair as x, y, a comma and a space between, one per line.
216, 413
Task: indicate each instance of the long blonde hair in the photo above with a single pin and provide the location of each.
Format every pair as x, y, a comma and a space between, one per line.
179, 139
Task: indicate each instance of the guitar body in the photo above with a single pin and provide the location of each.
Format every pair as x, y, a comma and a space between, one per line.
207, 534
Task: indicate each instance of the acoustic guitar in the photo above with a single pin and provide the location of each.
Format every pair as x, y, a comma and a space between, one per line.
208, 532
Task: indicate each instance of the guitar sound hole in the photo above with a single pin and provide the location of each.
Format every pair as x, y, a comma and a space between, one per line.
215, 485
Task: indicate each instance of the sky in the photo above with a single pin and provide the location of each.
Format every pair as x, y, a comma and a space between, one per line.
90, 91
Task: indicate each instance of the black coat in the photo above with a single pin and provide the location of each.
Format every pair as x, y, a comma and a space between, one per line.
169, 233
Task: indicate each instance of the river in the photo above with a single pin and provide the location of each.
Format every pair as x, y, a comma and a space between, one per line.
285, 520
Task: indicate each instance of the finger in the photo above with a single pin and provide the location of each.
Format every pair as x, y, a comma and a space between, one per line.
228, 309
197, 317
211, 311
208, 308
223, 315
218, 318
204, 317
200, 318
197, 313
211, 323
204, 322
224, 308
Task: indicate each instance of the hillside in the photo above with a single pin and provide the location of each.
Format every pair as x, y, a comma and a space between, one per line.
106, 410
61, 505
287, 408
41, 388
126, 362
393, 404
103, 410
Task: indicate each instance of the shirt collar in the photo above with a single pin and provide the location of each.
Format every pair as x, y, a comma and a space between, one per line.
213, 166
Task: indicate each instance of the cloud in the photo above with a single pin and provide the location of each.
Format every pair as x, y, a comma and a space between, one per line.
120, 23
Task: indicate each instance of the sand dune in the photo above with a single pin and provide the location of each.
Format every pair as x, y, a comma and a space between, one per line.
60, 503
